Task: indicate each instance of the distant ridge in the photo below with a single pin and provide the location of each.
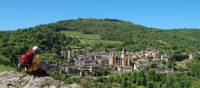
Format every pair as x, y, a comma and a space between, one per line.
133, 36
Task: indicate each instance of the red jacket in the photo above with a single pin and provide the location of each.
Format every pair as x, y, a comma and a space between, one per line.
25, 57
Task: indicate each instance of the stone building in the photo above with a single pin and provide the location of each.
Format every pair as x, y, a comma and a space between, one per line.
119, 60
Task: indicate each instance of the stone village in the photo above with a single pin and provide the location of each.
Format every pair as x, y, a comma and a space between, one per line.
84, 64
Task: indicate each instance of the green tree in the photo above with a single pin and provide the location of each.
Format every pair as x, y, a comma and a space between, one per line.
196, 84
194, 68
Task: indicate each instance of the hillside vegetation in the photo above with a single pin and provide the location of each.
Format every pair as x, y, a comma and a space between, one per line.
97, 35
15, 43
133, 37
93, 42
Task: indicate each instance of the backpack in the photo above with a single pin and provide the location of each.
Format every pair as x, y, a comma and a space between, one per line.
26, 58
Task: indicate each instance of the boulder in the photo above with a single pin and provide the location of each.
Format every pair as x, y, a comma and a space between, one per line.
18, 80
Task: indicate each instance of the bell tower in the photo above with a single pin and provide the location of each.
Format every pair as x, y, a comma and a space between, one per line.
111, 58
122, 56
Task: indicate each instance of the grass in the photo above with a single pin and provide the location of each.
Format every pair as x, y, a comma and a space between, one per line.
90, 39
182, 64
106, 42
80, 35
6, 68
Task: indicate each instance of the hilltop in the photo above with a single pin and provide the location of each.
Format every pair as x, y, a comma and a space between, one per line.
100, 34
114, 33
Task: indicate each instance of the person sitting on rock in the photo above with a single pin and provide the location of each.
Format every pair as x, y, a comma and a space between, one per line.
27, 58
32, 62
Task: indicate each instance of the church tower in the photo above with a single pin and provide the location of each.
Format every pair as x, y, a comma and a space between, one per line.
122, 56
111, 58
128, 61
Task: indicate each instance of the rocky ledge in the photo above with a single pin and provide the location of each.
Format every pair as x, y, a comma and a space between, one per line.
19, 80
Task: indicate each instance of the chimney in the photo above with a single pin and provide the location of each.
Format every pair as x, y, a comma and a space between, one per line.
68, 54
190, 57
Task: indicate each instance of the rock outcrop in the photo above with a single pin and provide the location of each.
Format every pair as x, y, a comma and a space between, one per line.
19, 80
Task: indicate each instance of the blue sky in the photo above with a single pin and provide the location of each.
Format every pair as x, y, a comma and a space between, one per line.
153, 13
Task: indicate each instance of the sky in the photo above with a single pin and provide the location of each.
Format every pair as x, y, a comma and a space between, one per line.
164, 14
